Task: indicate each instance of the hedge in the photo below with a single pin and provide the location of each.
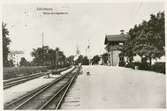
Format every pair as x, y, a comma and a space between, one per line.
156, 67
159, 67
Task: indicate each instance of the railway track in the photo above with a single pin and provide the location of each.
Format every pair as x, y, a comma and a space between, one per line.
48, 96
15, 81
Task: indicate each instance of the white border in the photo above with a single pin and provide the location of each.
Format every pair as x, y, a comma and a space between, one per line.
73, 1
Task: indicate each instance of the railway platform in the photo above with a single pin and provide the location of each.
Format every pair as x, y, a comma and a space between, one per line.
109, 87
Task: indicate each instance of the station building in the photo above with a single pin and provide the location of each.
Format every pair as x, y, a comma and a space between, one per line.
114, 44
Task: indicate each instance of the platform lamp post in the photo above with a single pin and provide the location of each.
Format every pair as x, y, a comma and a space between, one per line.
88, 54
77, 54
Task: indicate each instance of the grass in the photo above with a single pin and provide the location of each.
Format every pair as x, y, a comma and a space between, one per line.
20, 71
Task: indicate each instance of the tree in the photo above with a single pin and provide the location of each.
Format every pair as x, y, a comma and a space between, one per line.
48, 56
80, 59
105, 58
6, 41
24, 62
95, 59
151, 41
147, 39
85, 60
61, 58
127, 49
38, 56
51, 56
41, 55
70, 59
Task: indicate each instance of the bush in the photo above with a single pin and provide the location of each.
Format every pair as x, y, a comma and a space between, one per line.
142, 66
130, 65
158, 67
121, 63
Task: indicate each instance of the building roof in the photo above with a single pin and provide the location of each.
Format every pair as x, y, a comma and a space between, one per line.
115, 38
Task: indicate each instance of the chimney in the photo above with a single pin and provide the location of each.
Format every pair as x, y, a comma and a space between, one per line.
122, 31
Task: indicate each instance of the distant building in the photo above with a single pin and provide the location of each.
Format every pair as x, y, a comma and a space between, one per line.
15, 56
114, 44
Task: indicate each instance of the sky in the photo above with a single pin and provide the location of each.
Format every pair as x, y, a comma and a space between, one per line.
82, 24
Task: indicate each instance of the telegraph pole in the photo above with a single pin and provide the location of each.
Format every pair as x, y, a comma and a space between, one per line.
77, 54
42, 48
77, 51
